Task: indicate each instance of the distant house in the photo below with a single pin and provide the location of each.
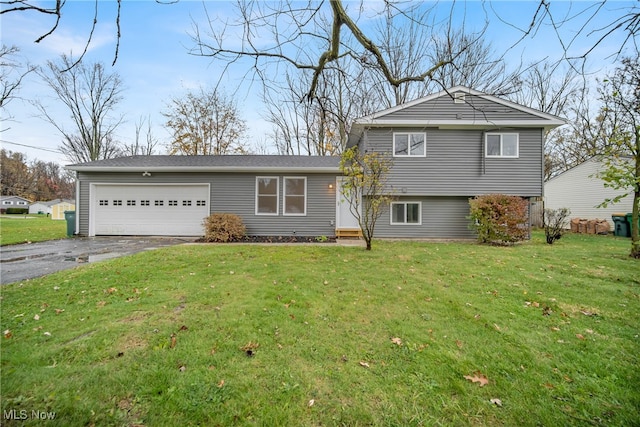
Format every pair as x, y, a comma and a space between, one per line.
580, 190
7, 202
446, 148
54, 208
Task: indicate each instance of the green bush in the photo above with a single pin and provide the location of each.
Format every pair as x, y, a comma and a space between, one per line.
223, 227
17, 211
499, 218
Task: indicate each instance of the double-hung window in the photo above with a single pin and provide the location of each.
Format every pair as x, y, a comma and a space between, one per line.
267, 195
503, 145
409, 144
295, 196
406, 213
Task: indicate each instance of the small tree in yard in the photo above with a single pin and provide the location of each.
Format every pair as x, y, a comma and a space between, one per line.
365, 187
499, 219
554, 223
621, 156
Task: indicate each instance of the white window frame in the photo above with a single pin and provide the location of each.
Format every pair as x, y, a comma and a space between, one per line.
405, 203
284, 195
501, 155
277, 212
7, 202
408, 134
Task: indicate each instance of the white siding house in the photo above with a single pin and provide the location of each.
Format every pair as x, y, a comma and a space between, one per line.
580, 190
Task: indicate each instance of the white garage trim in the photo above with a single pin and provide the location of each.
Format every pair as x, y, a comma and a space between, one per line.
158, 209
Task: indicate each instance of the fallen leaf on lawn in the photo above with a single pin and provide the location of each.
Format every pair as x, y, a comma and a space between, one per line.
495, 325
589, 331
182, 368
365, 364
580, 336
101, 303
48, 334
397, 341
110, 291
173, 341
535, 304
36, 317
459, 343
588, 313
311, 402
496, 402
548, 385
184, 328
232, 272
221, 384
555, 329
479, 378
7, 334
59, 310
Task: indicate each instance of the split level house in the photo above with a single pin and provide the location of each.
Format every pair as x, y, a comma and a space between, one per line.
446, 148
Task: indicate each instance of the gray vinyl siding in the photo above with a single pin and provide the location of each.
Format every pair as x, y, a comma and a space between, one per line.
455, 164
235, 193
474, 108
442, 218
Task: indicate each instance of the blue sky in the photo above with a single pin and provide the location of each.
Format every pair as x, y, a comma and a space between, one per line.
155, 65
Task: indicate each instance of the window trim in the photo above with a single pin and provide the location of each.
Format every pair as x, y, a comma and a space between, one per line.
501, 135
406, 202
257, 196
284, 196
424, 151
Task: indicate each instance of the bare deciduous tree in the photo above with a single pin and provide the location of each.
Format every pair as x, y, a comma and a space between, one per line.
11, 74
205, 123
145, 142
90, 94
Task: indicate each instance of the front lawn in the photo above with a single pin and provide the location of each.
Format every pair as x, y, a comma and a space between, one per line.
407, 334
30, 228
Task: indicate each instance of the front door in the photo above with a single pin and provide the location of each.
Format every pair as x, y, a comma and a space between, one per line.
345, 219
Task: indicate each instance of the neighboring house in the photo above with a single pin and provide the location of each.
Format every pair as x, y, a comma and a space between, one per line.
449, 147
54, 208
446, 148
580, 190
7, 202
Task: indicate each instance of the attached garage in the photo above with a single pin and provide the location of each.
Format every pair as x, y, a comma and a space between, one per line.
148, 209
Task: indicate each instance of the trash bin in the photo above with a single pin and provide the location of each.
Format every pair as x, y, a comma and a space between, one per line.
620, 225
631, 226
70, 216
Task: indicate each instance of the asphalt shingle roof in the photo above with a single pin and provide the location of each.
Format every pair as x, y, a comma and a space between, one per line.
230, 163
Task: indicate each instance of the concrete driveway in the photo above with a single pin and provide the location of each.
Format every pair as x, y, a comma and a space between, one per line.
29, 260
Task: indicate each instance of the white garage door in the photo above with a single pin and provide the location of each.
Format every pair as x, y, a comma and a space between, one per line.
148, 210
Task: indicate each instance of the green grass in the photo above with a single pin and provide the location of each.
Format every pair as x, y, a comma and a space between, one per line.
553, 328
30, 228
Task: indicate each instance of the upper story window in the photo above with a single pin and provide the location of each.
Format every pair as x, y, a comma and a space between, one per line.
410, 144
295, 196
501, 145
267, 201
7, 202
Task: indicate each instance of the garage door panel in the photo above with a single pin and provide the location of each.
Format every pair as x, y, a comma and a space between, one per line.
171, 210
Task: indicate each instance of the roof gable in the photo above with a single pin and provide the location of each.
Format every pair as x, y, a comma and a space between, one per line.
458, 107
